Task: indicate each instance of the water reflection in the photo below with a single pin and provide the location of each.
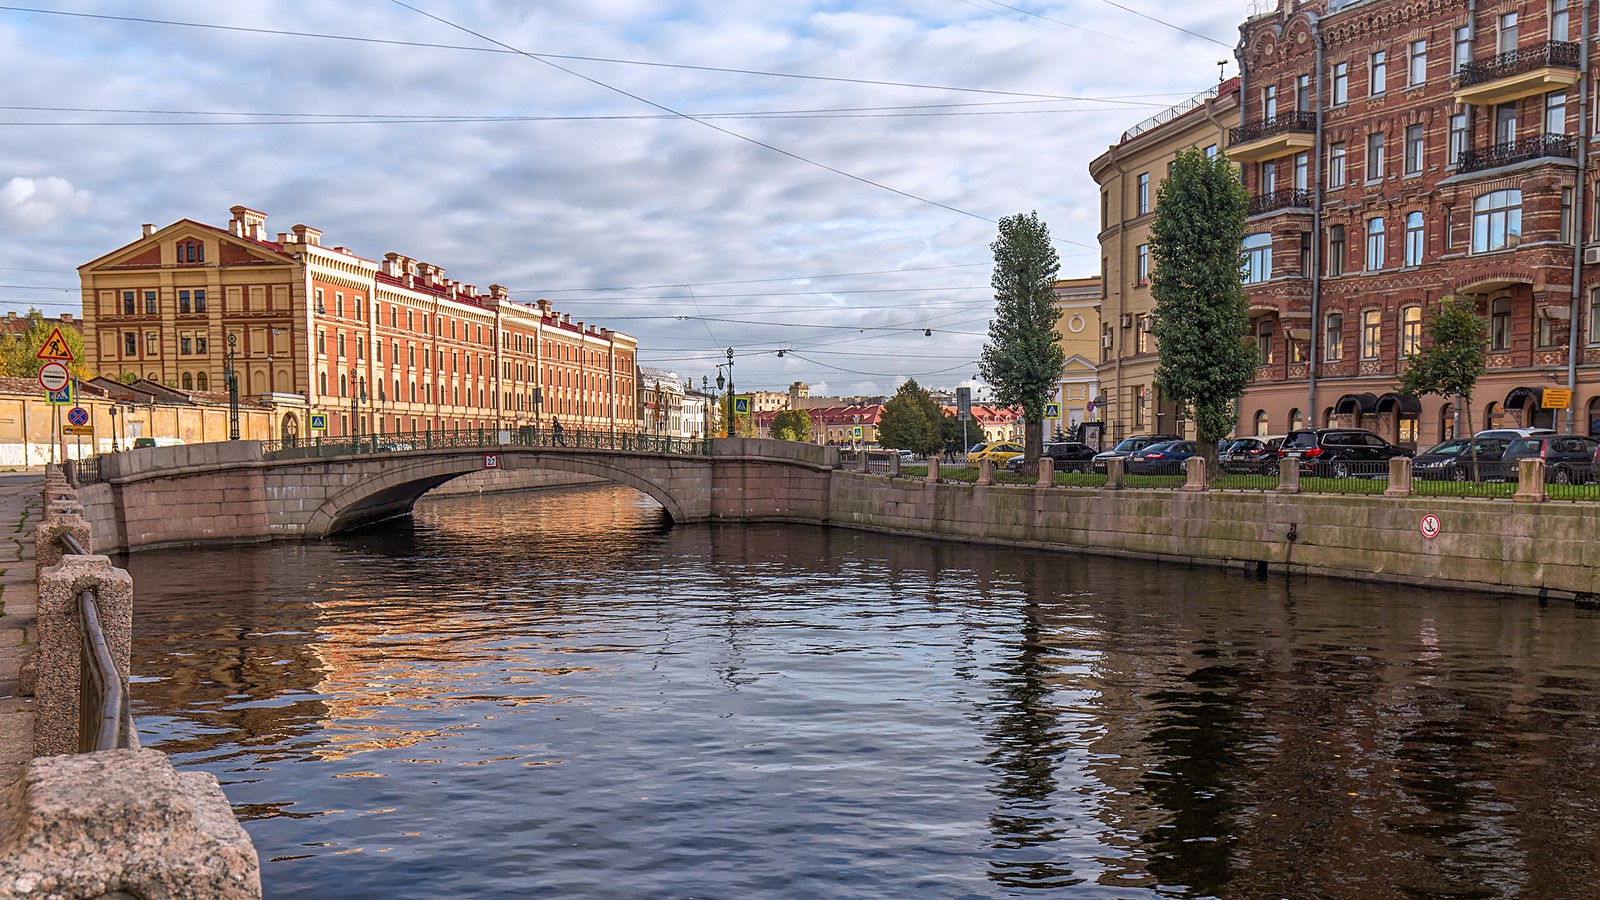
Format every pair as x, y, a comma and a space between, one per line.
557, 695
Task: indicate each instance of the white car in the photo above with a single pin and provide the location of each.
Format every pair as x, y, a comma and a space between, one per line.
1513, 433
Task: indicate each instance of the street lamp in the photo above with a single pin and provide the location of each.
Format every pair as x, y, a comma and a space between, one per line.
729, 430
357, 398
232, 379
114, 447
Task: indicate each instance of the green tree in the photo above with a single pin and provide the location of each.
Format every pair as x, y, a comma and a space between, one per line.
19, 353
1022, 360
1205, 359
791, 425
1453, 360
911, 420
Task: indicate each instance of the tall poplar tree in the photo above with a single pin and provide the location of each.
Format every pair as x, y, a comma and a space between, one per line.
1022, 360
1205, 359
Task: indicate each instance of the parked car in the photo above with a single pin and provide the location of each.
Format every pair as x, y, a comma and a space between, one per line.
1568, 458
1126, 447
998, 451
1067, 456
1250, 455
1162, 458
1513, 433
1452, 460
1339, 452
906, 456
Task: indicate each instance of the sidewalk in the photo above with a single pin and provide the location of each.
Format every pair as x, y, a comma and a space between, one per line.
21, 505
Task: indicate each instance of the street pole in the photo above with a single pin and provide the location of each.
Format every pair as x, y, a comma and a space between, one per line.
232, 378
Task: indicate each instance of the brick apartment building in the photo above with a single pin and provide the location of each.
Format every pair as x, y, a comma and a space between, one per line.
1397, 152
391, 346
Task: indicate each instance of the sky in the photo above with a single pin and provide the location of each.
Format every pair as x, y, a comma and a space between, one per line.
820, 177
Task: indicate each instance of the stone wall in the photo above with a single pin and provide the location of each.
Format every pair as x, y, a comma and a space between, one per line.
498, 481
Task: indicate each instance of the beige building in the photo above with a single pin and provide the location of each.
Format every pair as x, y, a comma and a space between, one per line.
1078, 299
1129, 174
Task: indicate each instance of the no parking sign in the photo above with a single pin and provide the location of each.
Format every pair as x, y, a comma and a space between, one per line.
1430, 526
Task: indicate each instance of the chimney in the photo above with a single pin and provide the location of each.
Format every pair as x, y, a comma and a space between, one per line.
247, 222
498, 291
285, 237
308, 235
544, 306
66, 317
148, 229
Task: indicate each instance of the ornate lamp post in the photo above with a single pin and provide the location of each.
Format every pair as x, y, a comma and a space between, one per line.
232, 379
357, 397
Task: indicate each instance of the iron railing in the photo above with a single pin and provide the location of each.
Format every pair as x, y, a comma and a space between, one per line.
105, 716
1548, 55
83, 471
1286, 198
1539, 146
1288, 123
476, 438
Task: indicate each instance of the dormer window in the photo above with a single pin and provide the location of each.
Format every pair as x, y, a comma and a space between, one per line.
192, 252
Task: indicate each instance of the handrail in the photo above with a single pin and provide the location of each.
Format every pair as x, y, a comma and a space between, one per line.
1539, 146
1549, 54
1284, 123
105, 715
485, 438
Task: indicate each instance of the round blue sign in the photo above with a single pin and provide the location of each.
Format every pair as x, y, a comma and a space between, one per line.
78, 415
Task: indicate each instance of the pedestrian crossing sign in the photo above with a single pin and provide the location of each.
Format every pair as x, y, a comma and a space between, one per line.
319, 421
741, 405
1052, 410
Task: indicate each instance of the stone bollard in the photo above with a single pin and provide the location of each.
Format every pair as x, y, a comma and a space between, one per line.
1288, 475
1115, 467
1047, 472
60, 661
933, 470
861, 461
1194, 472
1399, 477
894, 465
122, 823
1530, 481
47, 549
986, 471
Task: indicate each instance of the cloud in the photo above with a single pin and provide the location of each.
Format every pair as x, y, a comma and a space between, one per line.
34, 204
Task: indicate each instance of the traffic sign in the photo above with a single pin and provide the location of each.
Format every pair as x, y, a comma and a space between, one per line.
319, 421
77, 416
1556, 398
54, 376
55, 347
62, 397
83, 430
1052, 410
491, 461
741, 405
1430, 526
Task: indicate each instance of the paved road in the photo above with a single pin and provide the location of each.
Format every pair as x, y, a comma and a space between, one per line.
21, 504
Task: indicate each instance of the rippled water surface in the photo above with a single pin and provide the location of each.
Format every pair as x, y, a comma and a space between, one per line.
554, 695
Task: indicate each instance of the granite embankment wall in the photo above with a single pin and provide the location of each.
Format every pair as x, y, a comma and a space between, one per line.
496, 481
1482, 544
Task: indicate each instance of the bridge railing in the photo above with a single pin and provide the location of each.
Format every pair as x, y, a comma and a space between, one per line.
105, 714
473, 438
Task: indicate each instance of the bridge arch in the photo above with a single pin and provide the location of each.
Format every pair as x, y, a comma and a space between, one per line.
399, 484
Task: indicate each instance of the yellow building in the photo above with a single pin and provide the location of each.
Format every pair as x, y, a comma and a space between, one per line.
1078, 299
363, 345
1129, 175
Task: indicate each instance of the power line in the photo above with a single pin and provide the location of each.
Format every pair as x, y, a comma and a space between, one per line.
1166, 23
507, 49
653, 287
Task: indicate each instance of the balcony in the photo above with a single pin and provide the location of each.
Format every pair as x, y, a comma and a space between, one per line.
1540, 146
1272, 138
1288, 198
1523, 72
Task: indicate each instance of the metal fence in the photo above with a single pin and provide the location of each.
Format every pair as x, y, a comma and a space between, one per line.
474, 438
105, 716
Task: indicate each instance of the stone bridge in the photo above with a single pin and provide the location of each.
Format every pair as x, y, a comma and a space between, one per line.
241, 491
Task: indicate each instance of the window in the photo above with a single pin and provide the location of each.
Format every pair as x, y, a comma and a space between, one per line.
1555, 112
1505, 123
1458, 138
1211, 151
338, 304
1269, 177
1371, 333
322, 343
1333, 349
150, 308
1413, 150
1105, 211
1415, 239
1544, 335
1507, 41
129, 299
152, 344
1341, 83
320, 308
1410, 331
1144, 192
1375, 244
1305, 254
1417, 64
1269, 102
1497, 221
1380, 72
185, 344
1560, 24
1263, 426
1144, 265
1463, 48
1336, 250
188, 381
199, 301
1564, 233
1257, 257
1302, 93
1375, 157
200, 349
1500, 324
341, 345
183, 301
1264, 343
130, 344
1594, 316
1336, 156
1141, 399
1302, 171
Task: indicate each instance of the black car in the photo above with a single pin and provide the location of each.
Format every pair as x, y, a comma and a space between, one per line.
1163, 458
1568, 458
1250, 455
1067, 456
1127, 447
1452, 460
1340, 452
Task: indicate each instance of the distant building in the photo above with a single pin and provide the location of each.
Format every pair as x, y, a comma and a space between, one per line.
661, 401
1078, 299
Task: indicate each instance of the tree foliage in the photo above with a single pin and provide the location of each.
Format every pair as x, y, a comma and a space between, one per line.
911, 420
18, 353
1205, 360
1455, 356
1022, 360
791, 425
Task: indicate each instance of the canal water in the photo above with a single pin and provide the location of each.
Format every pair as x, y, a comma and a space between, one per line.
556, 695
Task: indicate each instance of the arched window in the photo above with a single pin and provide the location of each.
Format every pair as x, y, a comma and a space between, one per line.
1371, 333
202, 382
322, 384
1500, 324
1492, 414
1410, 331
1261, 423
1376, 248
1264, 343
1416, 241
1333, 347
1447, 422
186, 381
1297, 421
1496, 221
1327, 416
1594, 417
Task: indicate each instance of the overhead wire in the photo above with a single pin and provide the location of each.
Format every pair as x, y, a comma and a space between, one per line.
1151, 18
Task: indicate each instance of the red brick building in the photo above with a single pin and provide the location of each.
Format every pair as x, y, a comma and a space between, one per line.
1398, 152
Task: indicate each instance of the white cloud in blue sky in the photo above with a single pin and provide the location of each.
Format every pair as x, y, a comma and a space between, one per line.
576, 209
